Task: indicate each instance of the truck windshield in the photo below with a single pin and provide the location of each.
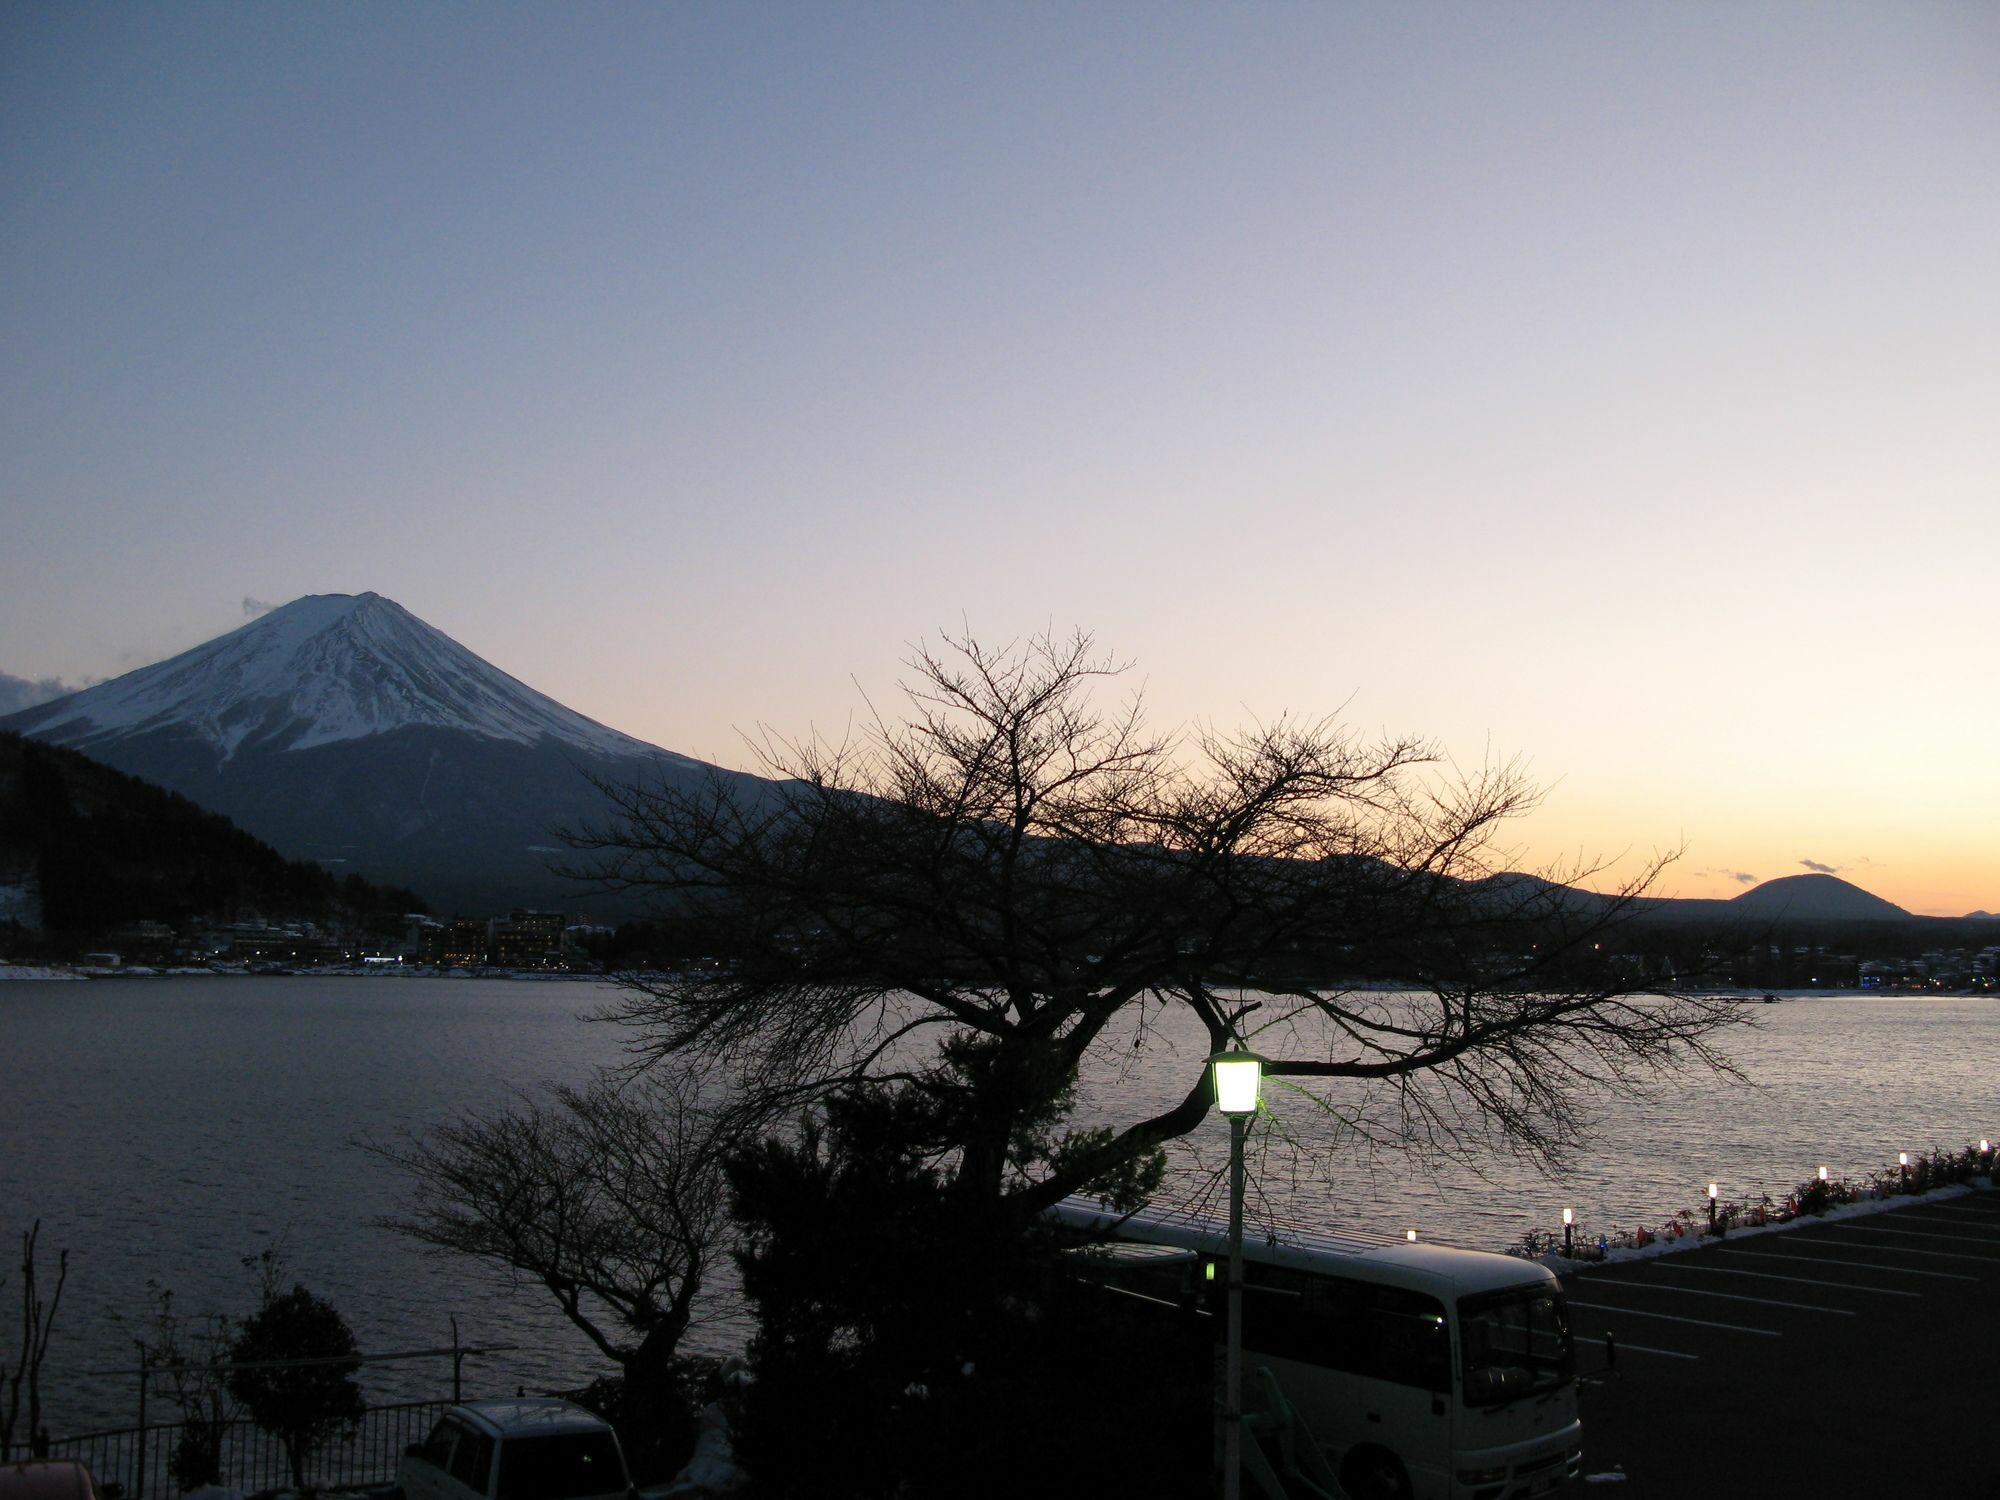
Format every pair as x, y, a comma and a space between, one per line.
1516, 1343
560, 1466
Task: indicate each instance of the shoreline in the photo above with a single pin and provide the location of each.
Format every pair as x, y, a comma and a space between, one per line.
60, 970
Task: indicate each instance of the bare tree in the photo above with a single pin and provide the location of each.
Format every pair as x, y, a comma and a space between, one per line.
192, 1352
610, 1196
961, 902
37, 1322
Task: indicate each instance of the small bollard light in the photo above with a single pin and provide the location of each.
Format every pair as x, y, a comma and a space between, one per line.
1903, 1168
1822, 1174
1410, 1235
1569, 1222
1711, 1207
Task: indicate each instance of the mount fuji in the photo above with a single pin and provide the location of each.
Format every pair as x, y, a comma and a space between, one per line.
341, 728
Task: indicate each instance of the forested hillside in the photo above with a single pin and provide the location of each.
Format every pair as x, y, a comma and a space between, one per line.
105, 850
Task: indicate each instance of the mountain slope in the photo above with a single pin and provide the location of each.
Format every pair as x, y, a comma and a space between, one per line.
104, 849
343, 729
321, 670
1818, 898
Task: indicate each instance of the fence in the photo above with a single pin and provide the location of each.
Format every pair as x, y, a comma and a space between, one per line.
137, 1459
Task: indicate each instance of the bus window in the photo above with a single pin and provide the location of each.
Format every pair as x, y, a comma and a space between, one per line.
1407, 1340
1276, 1319
1378, 1332
1516, 1343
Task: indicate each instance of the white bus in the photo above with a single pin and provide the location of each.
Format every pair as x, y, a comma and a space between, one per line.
1422, 1372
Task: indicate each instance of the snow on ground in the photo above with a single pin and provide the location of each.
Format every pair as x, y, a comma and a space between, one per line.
1668, 1243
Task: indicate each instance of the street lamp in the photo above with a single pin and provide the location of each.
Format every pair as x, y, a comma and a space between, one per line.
1711, 1208
1569, 1222
1238, 1079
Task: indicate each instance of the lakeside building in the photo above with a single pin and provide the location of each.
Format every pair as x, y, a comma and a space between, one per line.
526, 939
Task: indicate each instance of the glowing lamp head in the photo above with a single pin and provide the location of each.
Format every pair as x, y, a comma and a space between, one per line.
1711, 1190
1239, 1078
1569, 1217
1822, 1174
1985, 1146
1902, 1158
1410, 1235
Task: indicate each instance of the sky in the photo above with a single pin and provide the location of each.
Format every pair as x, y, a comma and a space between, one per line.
1611, 387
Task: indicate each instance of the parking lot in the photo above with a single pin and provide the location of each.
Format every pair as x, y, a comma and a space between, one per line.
1848, 1357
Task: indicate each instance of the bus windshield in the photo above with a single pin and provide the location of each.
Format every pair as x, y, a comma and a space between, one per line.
1516, 1343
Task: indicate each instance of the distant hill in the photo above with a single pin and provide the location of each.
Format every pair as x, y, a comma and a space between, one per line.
1818, 898
102, 849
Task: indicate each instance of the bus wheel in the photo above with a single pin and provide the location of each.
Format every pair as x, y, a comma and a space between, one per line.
1374, 1474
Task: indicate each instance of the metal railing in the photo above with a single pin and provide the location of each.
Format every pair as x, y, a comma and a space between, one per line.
140, 1459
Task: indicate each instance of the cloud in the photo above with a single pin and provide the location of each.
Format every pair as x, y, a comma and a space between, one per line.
1741, 877
17, 693
1819, 869
255, 607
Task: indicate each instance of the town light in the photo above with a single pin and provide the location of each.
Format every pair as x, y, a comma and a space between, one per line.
1410, 1235
1711, 1207
1569, 1219
1822, 1174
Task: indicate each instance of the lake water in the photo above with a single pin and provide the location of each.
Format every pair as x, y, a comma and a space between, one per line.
165, 1129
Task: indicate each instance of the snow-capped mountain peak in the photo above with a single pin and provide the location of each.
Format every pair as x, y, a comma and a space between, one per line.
322, 669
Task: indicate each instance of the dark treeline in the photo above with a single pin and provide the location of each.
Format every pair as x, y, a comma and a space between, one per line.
107, 849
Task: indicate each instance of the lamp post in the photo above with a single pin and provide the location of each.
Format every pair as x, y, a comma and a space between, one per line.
1711, 1208
1569, 1224
1238, 1079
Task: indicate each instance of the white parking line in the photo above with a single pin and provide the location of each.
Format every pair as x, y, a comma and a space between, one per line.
1633, 1312
1859, 1265
1624, 1348
1695, 1291
1908, 1234
1956, 1223
1666, 1264
1981, 1260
